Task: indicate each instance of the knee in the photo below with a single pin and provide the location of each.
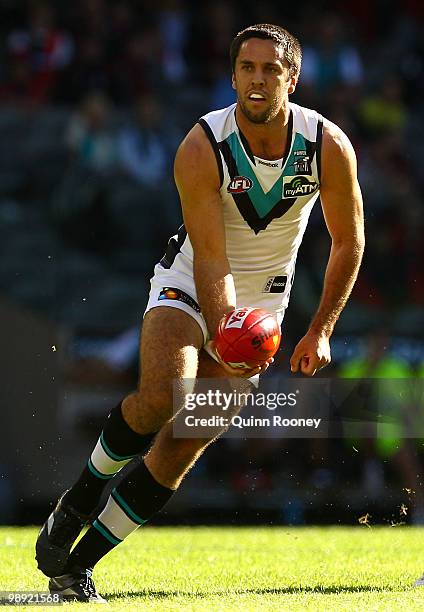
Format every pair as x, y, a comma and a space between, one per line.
147, 412
181, 449
170, 458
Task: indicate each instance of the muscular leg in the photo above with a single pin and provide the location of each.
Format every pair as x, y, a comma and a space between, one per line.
170, 458
169, 347
170, 342
151, 483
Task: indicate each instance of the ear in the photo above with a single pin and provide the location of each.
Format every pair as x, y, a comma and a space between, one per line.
293, 83
233, 81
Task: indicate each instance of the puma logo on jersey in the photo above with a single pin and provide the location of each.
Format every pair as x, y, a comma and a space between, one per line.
239, 184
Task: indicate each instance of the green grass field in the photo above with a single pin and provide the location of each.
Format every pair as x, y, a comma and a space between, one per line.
243, 569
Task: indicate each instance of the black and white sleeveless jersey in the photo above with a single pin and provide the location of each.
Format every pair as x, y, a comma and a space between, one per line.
266, 206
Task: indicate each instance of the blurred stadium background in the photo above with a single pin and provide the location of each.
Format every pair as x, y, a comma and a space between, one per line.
90, 91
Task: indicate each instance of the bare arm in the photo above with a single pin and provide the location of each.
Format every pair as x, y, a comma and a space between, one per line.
342, 207
197, 179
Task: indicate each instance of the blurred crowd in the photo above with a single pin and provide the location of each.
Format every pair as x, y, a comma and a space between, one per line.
133, 76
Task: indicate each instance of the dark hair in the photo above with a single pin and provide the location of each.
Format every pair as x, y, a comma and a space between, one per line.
268, 31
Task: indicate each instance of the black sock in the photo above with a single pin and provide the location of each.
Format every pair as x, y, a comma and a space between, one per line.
130, 505
118, 444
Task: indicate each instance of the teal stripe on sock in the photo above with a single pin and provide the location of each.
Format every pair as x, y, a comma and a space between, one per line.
97, 473
111, 454
128, 510
106, 534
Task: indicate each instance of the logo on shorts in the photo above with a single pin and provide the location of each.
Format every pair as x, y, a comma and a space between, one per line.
297, 186
275, 284
240, 184
172, 293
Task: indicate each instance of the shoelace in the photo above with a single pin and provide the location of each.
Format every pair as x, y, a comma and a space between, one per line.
87, 584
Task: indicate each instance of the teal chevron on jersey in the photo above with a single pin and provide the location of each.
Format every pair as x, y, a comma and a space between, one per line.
263, 202
265, 214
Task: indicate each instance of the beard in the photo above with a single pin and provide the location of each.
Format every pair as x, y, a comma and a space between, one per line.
264, 116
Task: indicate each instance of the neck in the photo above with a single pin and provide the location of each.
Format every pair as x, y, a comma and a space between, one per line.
266, 140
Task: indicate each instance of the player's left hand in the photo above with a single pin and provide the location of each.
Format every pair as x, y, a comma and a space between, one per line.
311, 354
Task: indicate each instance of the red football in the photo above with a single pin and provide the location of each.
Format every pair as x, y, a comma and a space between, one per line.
247, 337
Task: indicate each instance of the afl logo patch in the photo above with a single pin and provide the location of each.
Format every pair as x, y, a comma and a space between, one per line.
168, 294
172, 293
240, 184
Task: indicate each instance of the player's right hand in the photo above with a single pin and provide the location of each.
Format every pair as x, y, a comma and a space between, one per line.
240, 372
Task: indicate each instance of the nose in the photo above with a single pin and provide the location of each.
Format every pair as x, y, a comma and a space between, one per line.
258, 78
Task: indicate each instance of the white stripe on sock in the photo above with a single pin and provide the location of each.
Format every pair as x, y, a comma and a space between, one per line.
103, 463
116, 520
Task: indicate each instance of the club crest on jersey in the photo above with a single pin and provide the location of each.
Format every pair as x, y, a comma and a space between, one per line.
302, 165
297, 186
240, 184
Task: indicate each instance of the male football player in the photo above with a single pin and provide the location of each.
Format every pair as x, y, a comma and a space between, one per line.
248, 176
